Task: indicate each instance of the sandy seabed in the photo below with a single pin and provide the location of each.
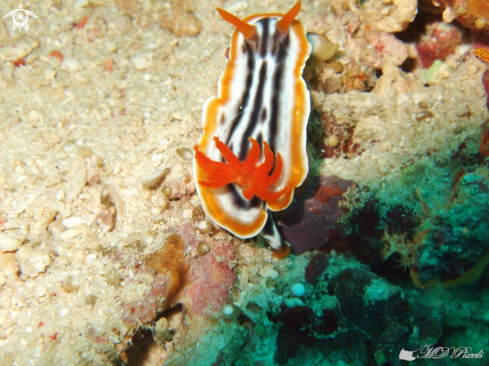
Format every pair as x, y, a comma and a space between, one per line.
92, 114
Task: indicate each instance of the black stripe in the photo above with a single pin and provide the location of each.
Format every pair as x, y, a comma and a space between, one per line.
241, 202
268, 228
265, 23
277, 85
255, 114
246, 96
259, 139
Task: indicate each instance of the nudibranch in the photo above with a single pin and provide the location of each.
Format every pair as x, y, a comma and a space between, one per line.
482, 54
252, 154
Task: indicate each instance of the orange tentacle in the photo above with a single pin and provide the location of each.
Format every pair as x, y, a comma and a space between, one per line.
277, 172
253, 180
271, 196
252, 157
266, 166
227, 153
248, 193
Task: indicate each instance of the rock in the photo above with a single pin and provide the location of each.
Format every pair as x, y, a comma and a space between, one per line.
8, 265
382, 312
128, 6
71, 64
33, 259
182, 21
18, 50
316, 268
306, 223
143, 60
388, 16
80, 3
10, 243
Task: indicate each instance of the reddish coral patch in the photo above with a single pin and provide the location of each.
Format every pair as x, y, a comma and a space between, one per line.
211, 290
20, 62
58, 55
440, 41
83, 22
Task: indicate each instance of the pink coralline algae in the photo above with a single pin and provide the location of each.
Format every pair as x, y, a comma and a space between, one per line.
201, 283
438, 42
307, 222
211, 278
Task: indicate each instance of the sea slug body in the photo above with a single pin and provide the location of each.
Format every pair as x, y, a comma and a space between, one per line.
252, 154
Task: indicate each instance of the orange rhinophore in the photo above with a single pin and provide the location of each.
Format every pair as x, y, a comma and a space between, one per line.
262, 100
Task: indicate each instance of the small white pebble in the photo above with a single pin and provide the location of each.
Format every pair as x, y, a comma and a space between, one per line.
176, 116
204, 225
8, 243
92, 257
28, 330
71, 64
298, 289
236, 6
110, 47
80, 3
71, 233
60, 195
64, 312
73, 221
231, 312
155, 211
142, 61
188, 213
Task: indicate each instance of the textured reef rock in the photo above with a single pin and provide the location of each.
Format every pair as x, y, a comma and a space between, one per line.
306, 223
457, 231
191, 290
101, 265
386, 16
485, 82
472, 14
381, 311
438, 41
349, 308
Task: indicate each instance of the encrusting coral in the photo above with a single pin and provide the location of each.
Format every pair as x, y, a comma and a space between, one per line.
407, 249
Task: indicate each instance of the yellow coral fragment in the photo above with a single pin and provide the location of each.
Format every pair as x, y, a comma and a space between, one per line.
482, 54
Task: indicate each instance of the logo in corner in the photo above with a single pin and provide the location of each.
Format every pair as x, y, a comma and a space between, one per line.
20, 17
406, 355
